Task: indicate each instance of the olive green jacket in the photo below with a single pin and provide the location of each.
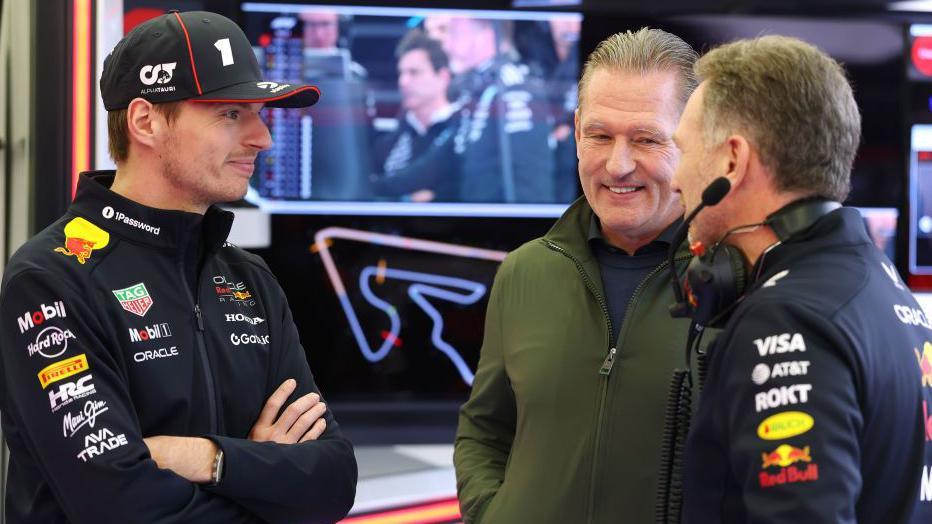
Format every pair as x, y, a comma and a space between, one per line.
560, 427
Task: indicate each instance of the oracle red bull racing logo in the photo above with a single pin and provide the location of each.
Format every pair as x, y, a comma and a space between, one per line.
229, 290
82, 238
134, 299
789, 459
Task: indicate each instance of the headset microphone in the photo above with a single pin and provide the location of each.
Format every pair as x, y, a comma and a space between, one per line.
669, 502
711, 195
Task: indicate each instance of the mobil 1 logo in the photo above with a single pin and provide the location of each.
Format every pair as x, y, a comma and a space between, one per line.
153, 332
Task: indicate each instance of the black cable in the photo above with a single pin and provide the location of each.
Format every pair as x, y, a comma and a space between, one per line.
669, 502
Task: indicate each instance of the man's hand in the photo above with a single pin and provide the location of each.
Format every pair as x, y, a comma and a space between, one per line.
189, 457
299, 422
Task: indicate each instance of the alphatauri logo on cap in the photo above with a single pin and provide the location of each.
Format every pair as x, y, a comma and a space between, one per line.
161, 73
274, 87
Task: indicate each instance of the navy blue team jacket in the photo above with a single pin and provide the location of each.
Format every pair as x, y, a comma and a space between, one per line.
110, 332
815, 406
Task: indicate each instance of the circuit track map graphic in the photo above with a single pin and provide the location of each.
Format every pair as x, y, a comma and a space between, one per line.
422, 289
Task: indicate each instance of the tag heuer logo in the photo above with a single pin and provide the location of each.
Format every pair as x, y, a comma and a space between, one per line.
134, 299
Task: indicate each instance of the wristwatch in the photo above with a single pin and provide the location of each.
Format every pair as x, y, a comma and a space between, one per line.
216, 473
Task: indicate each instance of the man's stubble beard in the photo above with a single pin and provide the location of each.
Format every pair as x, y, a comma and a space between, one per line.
174, 174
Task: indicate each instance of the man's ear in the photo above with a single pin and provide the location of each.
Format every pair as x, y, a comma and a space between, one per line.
738, 158
144, 123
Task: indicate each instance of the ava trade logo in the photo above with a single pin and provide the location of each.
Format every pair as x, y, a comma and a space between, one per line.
82, 238
62, 369
134, 299
787, 458
99, 442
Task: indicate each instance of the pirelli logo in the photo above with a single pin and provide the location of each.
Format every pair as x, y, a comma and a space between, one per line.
62, 369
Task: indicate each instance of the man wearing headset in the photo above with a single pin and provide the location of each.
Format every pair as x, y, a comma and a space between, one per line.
813, 407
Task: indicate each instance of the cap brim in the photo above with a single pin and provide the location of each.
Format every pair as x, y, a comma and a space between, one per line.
272, 94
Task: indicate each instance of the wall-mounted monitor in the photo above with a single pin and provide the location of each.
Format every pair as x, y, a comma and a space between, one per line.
920, 200
477, 123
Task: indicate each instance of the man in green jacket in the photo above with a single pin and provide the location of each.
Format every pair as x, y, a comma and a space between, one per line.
566, 414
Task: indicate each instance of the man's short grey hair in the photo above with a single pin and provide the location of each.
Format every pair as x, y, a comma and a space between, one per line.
643, 51
790, 100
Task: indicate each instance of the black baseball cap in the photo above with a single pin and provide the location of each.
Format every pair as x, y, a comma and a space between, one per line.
197, 56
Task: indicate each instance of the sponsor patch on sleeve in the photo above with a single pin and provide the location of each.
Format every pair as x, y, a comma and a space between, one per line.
62, 369
787, 465
785, 425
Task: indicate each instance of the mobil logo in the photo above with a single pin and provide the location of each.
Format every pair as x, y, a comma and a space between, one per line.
32, 319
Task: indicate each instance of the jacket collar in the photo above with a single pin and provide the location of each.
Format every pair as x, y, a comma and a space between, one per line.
156, 227
573, 231
840, 228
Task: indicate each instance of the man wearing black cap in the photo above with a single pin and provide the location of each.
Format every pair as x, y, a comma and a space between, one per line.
145, 361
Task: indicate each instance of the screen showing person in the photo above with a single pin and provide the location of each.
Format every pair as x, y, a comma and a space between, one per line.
503, 121
417, 161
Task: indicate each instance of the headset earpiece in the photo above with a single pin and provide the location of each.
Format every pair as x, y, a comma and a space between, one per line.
716, 280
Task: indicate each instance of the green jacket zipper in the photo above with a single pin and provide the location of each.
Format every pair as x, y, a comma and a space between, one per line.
606, 369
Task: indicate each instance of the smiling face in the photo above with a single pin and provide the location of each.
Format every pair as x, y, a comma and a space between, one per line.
626, 154
209, 151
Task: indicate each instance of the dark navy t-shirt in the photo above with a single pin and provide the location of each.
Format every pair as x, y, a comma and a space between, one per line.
621, 272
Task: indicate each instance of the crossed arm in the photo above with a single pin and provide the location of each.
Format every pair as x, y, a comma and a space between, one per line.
192, 457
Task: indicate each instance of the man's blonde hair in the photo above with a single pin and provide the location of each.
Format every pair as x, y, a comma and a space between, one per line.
643, 51
793, 102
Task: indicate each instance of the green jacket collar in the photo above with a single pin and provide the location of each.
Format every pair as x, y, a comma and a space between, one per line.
571, 231
571, 234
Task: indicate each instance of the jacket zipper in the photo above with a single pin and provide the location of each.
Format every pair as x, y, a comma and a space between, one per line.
202, 350
606, 369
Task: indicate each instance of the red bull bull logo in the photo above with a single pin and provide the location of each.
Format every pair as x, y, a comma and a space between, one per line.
82, 238
788, 459
925, 364
785, 455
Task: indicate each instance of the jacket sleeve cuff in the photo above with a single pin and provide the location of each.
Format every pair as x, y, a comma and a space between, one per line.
477, 512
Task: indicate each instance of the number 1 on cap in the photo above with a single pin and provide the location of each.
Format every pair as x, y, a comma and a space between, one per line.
223, 45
